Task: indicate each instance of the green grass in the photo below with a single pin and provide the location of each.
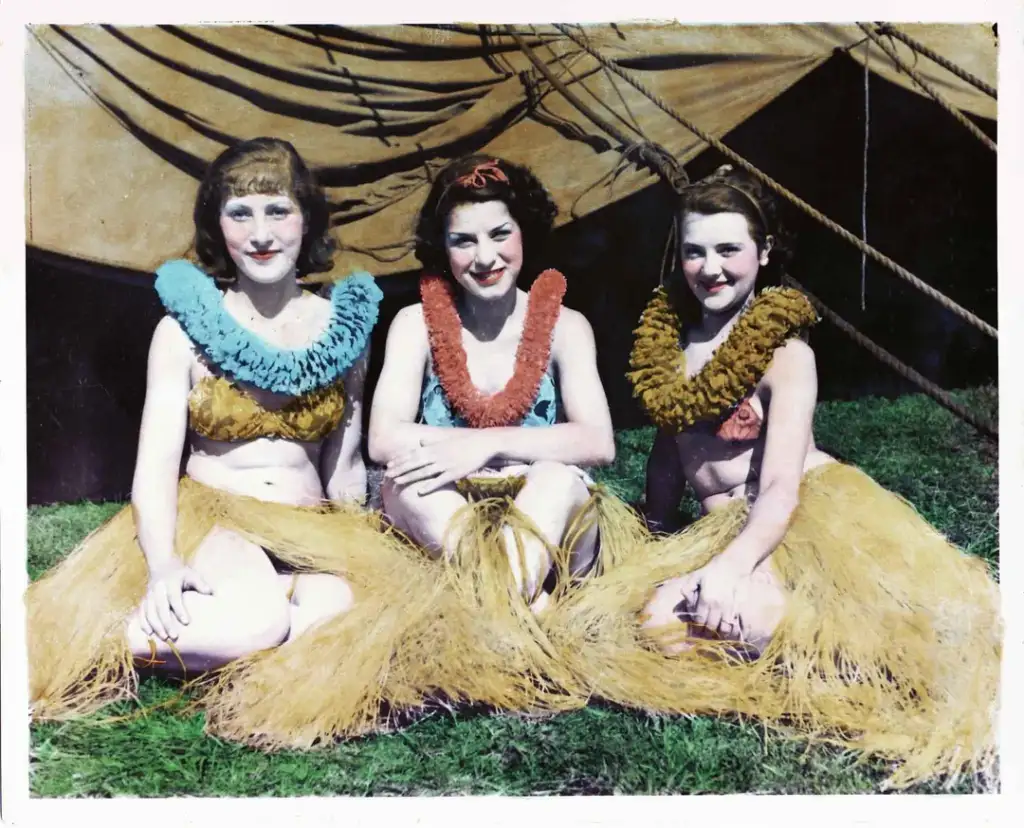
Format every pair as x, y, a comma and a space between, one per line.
593, 751
910, 445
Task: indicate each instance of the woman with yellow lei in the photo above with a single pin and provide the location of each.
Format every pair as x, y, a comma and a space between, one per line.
488, 406
244, 562
808, 596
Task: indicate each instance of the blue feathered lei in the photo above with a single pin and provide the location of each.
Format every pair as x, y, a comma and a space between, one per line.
195, 301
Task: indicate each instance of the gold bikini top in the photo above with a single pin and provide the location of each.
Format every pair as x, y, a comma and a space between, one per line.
220, 410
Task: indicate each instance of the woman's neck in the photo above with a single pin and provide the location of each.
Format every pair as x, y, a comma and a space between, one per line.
715, 325
266, 300
486, 318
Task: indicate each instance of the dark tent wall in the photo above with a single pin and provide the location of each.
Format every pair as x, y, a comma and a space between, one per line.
931, 207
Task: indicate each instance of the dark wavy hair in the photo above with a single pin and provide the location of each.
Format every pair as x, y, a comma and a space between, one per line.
264, 166
527, 201
729, 190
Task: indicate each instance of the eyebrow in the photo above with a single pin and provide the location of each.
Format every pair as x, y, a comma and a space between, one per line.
460, 234
236, 201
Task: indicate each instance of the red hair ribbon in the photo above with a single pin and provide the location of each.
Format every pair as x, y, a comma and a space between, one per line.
478, 176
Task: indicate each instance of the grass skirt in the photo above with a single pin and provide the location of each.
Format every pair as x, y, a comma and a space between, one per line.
79, 657
481, 581
425, 633
890, 643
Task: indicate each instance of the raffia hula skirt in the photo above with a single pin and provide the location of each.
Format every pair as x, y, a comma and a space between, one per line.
417, 632
328, 681
480, 577
890, 642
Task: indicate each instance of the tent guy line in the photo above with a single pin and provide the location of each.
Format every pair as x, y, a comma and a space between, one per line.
875, 254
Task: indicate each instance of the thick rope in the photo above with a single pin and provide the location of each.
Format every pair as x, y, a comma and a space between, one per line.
567, 71
938, 394
920, 48
962, 119
864, 187
709, 139
656, 158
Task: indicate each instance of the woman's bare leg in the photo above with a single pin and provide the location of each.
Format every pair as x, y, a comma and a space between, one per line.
315, 597
760, 616
425, 519
247, 612
551, 497
662, 618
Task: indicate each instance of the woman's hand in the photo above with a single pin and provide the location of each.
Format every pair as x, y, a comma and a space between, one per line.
163, 611
715, 595
442, 459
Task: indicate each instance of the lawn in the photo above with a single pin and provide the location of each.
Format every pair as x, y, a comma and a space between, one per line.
910, 445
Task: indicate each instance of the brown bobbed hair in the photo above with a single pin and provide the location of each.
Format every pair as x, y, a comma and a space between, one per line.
261, 166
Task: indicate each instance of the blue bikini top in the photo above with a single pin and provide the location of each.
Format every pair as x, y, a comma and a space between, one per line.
436, 411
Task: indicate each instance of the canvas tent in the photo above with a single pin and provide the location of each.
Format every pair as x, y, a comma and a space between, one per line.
122, 121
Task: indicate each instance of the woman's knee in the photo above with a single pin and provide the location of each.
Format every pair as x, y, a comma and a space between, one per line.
764, 613
253, 621
661, 623
423, 517
330, 593
664, 606
556, 476
402, 504
224, 556
318, 597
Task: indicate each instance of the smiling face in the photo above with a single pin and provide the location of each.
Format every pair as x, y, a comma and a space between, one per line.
263, 235
720, 259
485, 248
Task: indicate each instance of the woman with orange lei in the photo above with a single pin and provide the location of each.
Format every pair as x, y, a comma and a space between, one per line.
488, 408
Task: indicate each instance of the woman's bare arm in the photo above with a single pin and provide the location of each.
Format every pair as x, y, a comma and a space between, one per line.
161, 440
665, 485
341, 462
416, 452
396, 400
792, 383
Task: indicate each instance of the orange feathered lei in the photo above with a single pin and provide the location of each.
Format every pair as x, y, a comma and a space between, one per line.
444, 331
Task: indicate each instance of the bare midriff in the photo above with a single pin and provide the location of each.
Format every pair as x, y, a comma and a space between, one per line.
280, 471
721, 470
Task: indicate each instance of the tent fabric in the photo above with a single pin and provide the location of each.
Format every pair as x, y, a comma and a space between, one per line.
122, 121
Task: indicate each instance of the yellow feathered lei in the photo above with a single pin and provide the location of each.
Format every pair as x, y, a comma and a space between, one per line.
658, 363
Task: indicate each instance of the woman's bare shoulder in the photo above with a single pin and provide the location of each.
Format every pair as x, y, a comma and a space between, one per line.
169, 334
793, 360
408, 326
572, 328
170, 351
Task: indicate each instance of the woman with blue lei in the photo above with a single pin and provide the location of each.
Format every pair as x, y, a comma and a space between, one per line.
260, 557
